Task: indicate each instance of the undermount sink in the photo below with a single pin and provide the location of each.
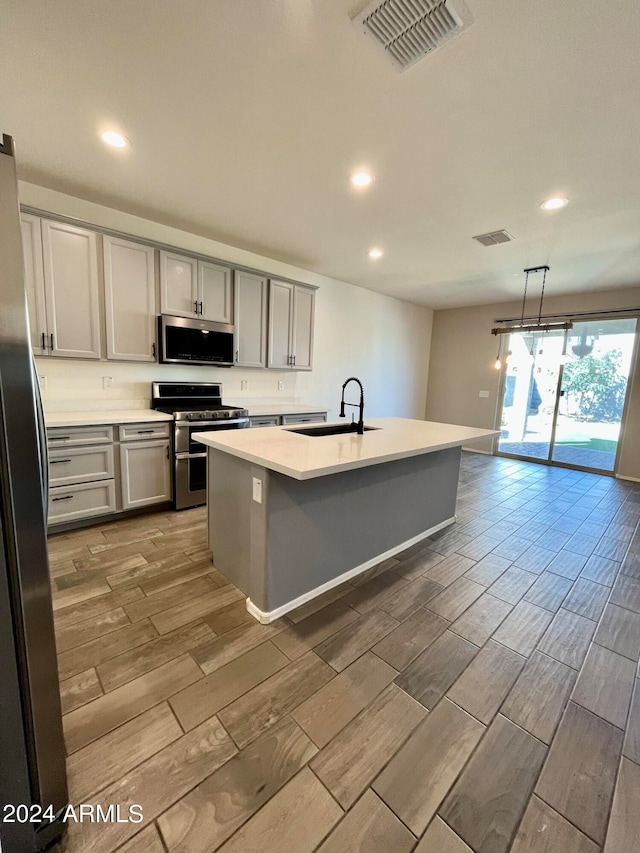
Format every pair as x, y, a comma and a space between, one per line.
330, 429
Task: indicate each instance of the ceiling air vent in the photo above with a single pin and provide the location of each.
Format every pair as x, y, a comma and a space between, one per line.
493, 238
410, 29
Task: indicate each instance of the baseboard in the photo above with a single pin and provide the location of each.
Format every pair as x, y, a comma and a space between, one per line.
477, 450
630, 479
270, 615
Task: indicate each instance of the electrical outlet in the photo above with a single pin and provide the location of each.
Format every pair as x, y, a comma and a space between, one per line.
281, 386
243, 384
257, 490
43, 382
107, 382
483, 394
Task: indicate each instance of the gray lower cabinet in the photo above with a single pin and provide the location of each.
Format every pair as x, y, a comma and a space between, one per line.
264, 421
145, 471
81, 500
314, 418
98, 470
282, 420
81, 473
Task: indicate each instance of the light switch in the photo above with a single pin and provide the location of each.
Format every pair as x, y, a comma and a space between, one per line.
257, 490
243, 384
43, 381
281, 385
107, 382
484, 394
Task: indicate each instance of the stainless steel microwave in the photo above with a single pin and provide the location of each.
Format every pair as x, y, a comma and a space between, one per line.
191, 341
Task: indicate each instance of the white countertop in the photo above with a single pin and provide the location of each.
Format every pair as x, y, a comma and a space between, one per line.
111, 416
303, 457
275, 408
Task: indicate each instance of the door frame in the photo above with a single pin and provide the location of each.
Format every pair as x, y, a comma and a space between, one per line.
549, 461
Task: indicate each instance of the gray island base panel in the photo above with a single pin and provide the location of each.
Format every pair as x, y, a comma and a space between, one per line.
307, 536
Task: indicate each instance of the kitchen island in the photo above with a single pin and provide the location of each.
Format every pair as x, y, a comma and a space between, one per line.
292, 515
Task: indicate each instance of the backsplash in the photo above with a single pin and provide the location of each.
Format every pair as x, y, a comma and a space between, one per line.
75, 385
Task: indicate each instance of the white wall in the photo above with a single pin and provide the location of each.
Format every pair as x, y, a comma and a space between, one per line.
383, 341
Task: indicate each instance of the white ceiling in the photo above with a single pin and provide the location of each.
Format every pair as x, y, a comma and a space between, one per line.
247, 117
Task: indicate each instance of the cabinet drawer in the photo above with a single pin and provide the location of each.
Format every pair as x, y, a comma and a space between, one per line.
68, 503
265, 421
140, 432
316, 418
63, 437
80, 465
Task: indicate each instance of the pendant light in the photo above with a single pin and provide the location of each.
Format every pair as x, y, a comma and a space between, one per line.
538, 326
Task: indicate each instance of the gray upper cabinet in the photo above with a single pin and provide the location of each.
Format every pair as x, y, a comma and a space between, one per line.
34, 282
291, 317
130, 300
65, 266
214, 292
193, 288
71, 292
178, 285
250, 313
303, 316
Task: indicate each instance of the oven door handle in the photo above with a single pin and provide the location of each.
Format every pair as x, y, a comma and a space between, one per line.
221, 423
181, 456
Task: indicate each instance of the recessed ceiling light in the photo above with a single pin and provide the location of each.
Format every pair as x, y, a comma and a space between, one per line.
374, 254
361, 179
114, 139
554, 203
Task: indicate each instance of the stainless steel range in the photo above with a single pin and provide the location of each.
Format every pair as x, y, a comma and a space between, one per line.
196, 407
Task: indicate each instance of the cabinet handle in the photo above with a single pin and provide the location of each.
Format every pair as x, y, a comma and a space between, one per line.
168, 457
195, 305
294, 360
52, 347
153, 350
44, 341
65, 498
201, 311
146, 431
60, 438
237, 355
58, 461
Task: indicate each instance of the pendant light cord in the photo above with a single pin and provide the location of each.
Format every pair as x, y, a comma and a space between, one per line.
544, 279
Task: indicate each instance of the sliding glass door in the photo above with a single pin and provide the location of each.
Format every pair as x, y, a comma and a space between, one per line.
564, 393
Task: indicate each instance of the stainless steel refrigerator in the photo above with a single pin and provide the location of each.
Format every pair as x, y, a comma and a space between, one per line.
32, 757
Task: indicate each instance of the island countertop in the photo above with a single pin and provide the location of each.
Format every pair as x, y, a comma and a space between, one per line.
304, 457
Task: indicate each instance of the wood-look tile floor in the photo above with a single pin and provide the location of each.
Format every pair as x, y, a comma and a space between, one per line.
477, 693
